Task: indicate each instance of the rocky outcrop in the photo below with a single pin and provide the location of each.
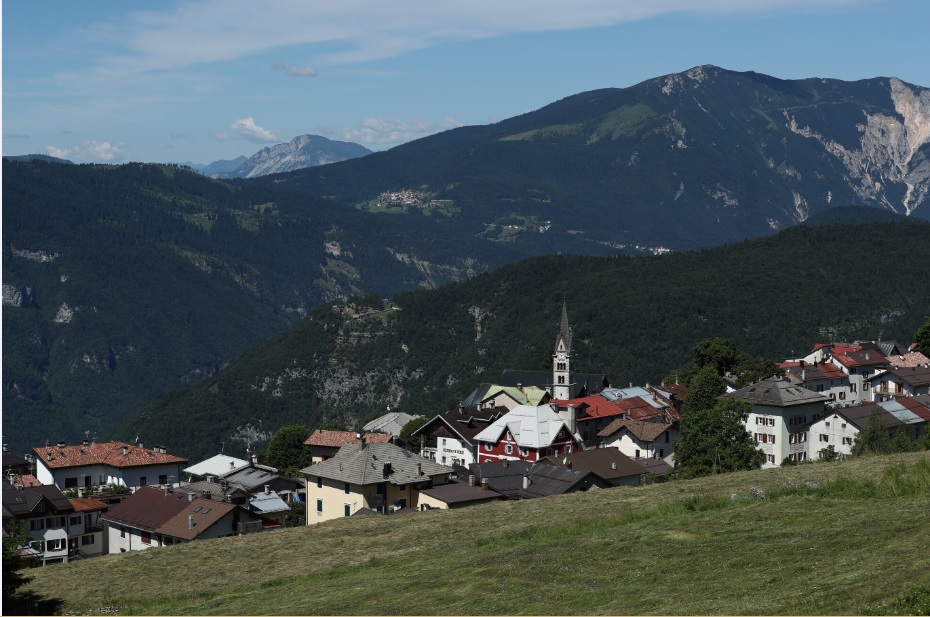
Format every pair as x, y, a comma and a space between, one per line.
300, 152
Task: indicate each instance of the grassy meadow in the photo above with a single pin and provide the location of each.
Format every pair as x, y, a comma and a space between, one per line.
849, 537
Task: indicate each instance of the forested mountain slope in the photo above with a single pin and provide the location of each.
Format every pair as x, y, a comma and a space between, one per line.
634, 318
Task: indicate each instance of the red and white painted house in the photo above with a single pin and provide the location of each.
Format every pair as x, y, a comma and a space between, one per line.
529, 433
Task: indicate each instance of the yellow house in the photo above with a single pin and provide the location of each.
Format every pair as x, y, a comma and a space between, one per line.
377, 476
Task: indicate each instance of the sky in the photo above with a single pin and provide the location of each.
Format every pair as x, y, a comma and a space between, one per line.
111, 81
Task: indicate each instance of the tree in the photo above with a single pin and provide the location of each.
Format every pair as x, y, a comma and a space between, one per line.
13, 574
334, 425
874, 438
713, 436
922, 338
721, 353
287, 451
410, 427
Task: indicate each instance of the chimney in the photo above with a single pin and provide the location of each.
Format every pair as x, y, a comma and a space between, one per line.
140, 445
419, 469
125, 450
485, 485
505, 463
61, 444
471, 480
190, 521
255, 459
190, 497
526, 482
267, 489
613, 465
361, 439
569, 416
232, 465
568, 464
461, 407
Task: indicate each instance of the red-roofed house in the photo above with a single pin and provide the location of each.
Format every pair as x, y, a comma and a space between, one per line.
101, 464
324, 444
154, 517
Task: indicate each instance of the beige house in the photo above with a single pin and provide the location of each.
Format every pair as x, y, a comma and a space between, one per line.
375, 476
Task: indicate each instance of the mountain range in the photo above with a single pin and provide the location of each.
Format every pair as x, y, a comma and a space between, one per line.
123, 282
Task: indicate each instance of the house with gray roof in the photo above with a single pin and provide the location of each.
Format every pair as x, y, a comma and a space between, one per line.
526, 480
391, 423
214, 466
529, 433
780, 416
378, 476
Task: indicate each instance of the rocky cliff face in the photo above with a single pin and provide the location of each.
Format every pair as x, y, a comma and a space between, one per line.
300, 152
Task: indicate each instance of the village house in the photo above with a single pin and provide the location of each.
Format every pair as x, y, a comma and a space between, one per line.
457, 494
95, 465
898, 382
375, 476
153, 517
449, 438
391, 423
528, 433
214, 466
325, 444
527, 480
840, 427
639, 439
62, 529
612, 466
827, 378
778, 422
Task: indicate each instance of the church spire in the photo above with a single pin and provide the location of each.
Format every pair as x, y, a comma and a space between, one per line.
563, 360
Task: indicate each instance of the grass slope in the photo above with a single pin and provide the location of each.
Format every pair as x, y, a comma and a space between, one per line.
829, 538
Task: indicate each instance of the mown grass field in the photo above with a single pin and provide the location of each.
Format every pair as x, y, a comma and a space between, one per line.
849, 537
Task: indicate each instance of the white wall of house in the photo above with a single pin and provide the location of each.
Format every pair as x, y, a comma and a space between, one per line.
778, 431
450, 449
633, 447
97, 475
831, 430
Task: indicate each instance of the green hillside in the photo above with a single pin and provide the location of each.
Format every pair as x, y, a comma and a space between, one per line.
635, 318
844, 538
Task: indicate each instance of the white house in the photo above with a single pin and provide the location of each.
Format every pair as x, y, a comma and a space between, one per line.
639, 439
100, 464
781, 412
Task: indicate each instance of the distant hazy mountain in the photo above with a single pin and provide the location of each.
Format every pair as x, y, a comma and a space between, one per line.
684, 160
26, 158
300, 152
222, 167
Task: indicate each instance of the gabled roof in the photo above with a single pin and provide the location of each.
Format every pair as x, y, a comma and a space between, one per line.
215, 490
87, 504
376, 463
591, 407
203, 512
859, 415
525, 395
546, 480
916, 376
918, 405
606, 463
111, 454
255, 476
505, 477
216, 465
531, 427
646, 432
465, 424
268, 503
810, 372
391, 423
860, 357
775, 392
337, 439
909, 360
24, 502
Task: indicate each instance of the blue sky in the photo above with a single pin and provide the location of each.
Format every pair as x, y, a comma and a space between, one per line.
116, 81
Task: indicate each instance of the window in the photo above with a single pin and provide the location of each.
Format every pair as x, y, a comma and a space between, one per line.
771, 438
771, 458
561, 380
146, 537
824, 438
143, 480
508, 449
847, 441
842, 396
75, 520
568, 449
163, 479
379, 489
319, 506
562, 434
347, 487
827, 423
843, 425
85, 540
487, 447
347, 509
122, 532
637, 454
661, 453
37, 524
70, 482
169, 541
55, 545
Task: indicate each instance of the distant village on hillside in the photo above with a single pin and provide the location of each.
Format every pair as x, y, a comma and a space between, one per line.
532, 434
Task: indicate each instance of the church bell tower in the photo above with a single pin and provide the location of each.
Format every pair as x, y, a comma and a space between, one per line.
563, 360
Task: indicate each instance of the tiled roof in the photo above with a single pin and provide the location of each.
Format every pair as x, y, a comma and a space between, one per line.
862, 357
909, 360
916, 376
24, 479
859, 415
775, 392
531, 427
86, 504
919, 405
591, 407
369, 465
337, 439
205, 513
810, 372
392, 423
546, 480
112, 454
644, 431
167, 513
655, 466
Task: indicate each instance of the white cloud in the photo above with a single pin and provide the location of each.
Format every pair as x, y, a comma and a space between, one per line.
389, 132
359, 30
294, 70
245, 128
90, 151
